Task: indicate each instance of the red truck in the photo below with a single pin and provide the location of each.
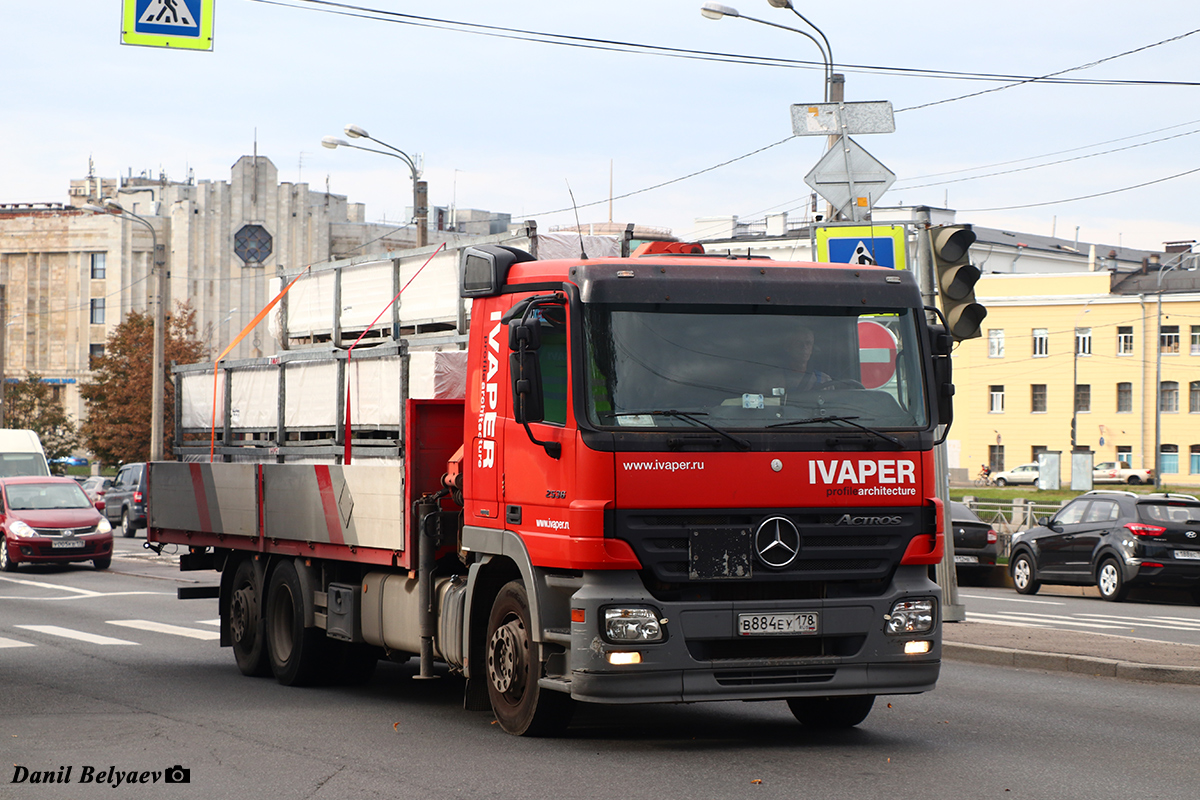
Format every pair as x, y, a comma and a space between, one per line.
666, 478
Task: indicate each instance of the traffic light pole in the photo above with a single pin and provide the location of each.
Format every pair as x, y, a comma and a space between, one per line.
947, 578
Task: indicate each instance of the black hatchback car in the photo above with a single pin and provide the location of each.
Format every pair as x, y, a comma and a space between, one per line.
1114, 540
974, 544
125, 500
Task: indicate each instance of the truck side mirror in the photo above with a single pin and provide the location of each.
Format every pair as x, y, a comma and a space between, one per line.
941, 343
524, 339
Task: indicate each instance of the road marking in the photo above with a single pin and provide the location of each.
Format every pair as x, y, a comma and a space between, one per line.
1046, 619
162, 627
4, 643
1012, 599
216, 621
77, 594
67, 633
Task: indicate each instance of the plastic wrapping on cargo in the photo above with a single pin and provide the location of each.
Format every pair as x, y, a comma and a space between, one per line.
567, 245
437, 375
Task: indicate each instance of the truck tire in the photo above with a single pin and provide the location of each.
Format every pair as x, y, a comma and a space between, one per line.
831, 713
296, 653
521, 706
244, 622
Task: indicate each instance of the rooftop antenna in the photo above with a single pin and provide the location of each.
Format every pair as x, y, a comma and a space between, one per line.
578, 226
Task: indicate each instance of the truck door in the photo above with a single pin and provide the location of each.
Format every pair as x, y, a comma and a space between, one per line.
537, 487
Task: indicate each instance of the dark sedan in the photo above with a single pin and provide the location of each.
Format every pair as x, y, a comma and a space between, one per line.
50, 520
1113, 540
974, 544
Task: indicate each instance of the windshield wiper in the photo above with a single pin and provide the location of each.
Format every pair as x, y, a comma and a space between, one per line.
691, 416
848, 420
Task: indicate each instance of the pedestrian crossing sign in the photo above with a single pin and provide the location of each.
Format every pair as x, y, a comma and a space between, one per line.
177, 24
867, 245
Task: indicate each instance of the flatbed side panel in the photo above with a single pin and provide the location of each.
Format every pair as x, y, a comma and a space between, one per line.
357, 506
206, 498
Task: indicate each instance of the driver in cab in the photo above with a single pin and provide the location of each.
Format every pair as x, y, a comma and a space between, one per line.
801, 378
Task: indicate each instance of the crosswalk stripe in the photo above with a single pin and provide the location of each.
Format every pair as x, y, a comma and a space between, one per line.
67, 633
216, 621
13, 643
162, 627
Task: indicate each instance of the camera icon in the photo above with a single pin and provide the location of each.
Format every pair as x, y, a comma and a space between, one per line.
177, 774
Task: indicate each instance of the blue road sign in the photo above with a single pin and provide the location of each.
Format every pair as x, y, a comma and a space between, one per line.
168, 17
881, 245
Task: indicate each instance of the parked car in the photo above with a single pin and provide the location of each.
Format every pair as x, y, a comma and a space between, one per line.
50, 520
125, 500
1120, 472
1115, 540
974, 544
70, 461
1026, 473
94, 487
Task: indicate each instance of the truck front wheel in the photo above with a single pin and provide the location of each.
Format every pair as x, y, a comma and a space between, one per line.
831, 713
295, 652
244, 622
521, 706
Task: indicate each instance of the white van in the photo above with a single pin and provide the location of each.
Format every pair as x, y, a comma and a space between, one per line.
21, 454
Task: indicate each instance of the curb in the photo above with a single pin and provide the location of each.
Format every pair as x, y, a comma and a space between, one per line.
1061, 662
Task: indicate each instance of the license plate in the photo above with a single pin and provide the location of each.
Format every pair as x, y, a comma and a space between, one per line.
791, 623
966, 559
66, 544
1188, 555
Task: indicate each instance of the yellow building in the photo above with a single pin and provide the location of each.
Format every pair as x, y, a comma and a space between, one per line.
1084, 347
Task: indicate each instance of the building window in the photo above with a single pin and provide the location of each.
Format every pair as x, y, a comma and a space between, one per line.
1083, 341
1194, 466
1169, 397
1037, 398
1125, 454
1168, 459
97, 306
996, 343
996, 457
1194, 397
95, 351
1196, 340
1124, 398
98, 262
1083, 397
996, 399
252, 244
1041, 342
1168, 340
1125, 340
1037, 450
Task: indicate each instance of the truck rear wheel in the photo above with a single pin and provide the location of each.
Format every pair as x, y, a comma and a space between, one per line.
244, 622
831, 713
521, 706
295, 652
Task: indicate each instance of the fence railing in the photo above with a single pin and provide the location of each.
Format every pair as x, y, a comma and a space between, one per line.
1010, 516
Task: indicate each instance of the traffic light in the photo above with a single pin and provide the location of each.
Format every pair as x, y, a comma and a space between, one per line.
956, 278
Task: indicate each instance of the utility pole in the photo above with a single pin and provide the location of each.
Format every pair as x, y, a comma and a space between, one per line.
947, 576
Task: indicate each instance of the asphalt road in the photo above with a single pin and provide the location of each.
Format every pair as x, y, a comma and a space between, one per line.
170, 696
1158, 615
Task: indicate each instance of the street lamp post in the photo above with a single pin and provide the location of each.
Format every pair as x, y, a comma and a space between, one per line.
420, 188
716, 11
1158, 375
157, 368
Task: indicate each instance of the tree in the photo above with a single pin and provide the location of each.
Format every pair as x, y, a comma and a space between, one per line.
118, 398
30, 404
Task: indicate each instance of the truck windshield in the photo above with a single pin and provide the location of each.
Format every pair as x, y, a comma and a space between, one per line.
752, 368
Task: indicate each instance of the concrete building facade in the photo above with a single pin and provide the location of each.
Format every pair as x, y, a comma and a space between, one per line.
71, 275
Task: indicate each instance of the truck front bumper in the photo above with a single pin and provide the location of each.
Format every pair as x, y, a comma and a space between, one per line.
702, 657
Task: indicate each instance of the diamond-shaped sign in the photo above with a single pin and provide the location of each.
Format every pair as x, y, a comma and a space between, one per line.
850, 178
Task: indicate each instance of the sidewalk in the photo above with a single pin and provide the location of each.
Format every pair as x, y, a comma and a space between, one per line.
1071, 651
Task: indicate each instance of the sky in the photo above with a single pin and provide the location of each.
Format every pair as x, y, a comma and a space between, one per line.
519, 127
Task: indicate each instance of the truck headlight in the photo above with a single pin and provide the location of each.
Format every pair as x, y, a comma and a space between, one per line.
636, 624
911, 616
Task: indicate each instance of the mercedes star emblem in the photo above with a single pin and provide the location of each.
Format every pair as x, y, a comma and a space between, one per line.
777, 542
